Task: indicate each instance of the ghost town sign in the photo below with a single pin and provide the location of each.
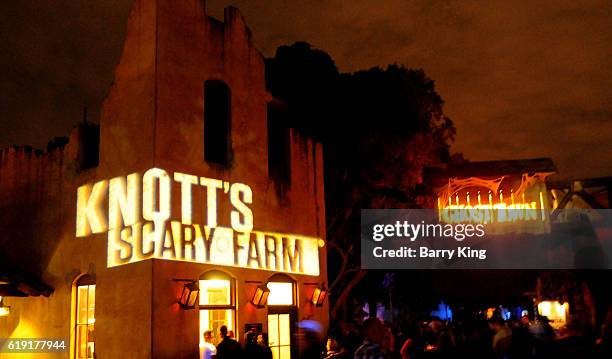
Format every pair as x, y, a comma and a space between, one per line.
140, 225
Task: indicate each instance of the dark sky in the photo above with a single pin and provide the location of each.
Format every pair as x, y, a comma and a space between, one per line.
520, 78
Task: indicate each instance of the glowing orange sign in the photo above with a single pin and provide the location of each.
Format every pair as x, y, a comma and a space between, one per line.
140, 225
477, 200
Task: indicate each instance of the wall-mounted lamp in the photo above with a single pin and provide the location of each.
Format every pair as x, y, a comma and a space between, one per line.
318, 296
260, 298
4, 310
189, 295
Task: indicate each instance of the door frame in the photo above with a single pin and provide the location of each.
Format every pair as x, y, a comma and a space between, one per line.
292, 311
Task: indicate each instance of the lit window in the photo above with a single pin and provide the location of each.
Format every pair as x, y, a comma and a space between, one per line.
281, 293
217, 122
217, 305
279, 335
85, 319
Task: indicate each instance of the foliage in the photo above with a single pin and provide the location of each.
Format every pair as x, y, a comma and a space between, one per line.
379, 128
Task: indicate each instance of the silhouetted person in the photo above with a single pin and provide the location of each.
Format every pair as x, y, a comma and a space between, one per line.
501, 339
374, 333
604, 342
333, 350
262, 340
251, 349
228, 348
309, 338
521, 345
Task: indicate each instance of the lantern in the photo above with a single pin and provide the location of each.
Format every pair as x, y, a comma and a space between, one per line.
189, 296
318, 296
4, 310
260, 298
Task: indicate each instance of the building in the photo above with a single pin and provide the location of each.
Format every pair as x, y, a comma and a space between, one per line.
190, 183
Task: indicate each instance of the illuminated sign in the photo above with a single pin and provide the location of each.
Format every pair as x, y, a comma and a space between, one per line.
477, 200
140, 225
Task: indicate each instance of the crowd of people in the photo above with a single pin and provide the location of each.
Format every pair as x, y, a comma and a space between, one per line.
481, 339
434, 339
256, 346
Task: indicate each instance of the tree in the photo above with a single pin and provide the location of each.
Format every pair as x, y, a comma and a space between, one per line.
378, 127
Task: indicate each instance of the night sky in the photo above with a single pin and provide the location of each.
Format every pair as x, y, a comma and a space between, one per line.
520, 78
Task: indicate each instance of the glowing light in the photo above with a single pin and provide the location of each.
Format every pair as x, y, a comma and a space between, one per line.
555, 312
4, 310
281, 293
490, 312
260, 297
215, 292
454, 207
318, 296
498, 212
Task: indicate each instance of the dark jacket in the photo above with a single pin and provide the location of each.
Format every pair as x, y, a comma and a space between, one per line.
228, 349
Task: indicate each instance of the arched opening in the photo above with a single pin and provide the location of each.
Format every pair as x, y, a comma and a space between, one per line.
83, 314
282, 290
217, 304
281, 315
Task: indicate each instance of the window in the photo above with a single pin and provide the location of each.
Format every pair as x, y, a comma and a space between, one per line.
282, 290
217, 303
217, 122
279, 154
85, 303
281, 293
279, 335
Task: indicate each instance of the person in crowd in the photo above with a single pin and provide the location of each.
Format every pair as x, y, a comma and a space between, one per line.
333, 350
573, 342
228, 348
414, 342
544, 335
521, 345
251, 349
501, 339
262, 341
604, 342
374, 332
388, 344
351, 338
309, 334
207, 348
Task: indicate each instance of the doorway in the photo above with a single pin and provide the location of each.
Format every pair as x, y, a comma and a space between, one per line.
279, 335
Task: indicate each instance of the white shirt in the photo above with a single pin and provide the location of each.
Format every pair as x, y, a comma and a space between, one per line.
207, 350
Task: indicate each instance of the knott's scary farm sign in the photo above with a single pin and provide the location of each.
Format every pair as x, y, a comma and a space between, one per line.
140, 225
